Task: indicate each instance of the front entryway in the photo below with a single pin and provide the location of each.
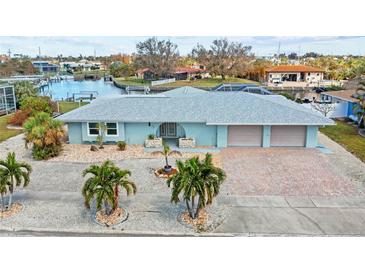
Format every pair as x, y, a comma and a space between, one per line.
168, 130
249, 136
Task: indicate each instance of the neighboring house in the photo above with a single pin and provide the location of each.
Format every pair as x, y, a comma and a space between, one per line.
4, 58
344, 103
180, 73
188, 73
83, 65
294, 76
7, 99
45, 66
218, 119
145, 74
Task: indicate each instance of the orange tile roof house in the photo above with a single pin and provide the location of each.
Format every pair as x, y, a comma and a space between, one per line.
294, 76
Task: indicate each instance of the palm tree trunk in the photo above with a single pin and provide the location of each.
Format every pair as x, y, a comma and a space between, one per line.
167, 163
189, 209
198, 208
116, 198
107, 209
10, 199
11, 189
192, 206
2, 203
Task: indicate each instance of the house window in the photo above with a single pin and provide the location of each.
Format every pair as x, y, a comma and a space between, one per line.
93, 128
111, 129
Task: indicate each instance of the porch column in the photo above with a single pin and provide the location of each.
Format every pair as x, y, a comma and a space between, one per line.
266, 133
222, 136
311, 139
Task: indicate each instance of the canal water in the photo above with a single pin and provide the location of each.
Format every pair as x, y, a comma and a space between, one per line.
66, 88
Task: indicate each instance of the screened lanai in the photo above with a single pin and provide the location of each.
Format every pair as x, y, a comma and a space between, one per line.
7, 99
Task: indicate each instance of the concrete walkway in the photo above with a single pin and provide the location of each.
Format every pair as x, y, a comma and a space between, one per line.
298, 216
246, 216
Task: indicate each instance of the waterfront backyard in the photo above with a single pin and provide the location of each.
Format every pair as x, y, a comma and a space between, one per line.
207, 82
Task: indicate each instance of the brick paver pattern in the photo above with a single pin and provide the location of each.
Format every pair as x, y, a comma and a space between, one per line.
282, 171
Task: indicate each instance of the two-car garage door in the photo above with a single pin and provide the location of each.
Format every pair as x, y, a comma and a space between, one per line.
251, 136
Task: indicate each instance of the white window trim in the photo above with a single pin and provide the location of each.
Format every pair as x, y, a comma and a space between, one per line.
112, 135
88, 130
106, 131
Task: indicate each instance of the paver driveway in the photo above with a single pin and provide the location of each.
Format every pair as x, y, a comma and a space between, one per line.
283, 171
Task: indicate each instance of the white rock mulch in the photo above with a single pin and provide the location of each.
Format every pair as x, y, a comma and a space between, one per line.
83, 154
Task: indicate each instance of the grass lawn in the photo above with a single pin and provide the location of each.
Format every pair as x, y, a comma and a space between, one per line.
132, 81
6, 133
347, 136
209, 82
68, 106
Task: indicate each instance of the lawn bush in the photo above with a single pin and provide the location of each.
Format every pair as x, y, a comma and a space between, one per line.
44, 153
19, 117
122, 145
37, 104
45, 134
287, 95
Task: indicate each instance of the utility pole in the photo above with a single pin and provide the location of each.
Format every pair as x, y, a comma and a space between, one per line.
279, 49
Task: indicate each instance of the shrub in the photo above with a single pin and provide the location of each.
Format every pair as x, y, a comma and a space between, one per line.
24, 90
44, 153
45, 134
19, 117
151, 136
287, 95
37, 104
121, 145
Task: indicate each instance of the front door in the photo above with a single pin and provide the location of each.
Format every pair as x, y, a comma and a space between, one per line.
168, 130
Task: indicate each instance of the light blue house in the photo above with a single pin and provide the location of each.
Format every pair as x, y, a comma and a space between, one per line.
217, 119
345, 103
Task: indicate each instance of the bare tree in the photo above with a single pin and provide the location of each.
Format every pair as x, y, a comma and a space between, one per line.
323, 108
158, 56
223, 57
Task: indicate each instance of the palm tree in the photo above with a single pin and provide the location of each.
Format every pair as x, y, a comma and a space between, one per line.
199, 181
13, 174
3, 189
166, 152
360, 107
45, 133
104, 185
100, 138
123, 182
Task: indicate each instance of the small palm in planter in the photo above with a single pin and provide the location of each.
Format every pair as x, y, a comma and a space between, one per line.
199, 181
101, 135
166, 152
104, 184
13, 174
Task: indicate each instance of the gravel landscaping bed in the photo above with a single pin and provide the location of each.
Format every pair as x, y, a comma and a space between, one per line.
15, 209
83, 154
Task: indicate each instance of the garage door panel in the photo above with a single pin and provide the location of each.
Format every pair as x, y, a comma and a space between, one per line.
245, 136
288, 136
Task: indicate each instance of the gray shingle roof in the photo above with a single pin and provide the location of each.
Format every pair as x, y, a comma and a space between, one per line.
204, 107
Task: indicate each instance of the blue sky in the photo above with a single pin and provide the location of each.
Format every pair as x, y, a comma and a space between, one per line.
262, 45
